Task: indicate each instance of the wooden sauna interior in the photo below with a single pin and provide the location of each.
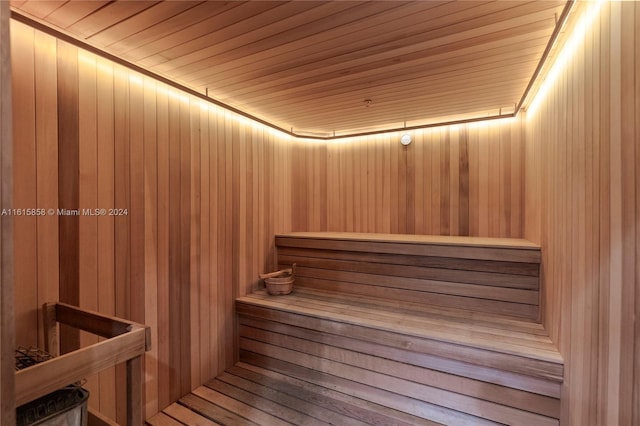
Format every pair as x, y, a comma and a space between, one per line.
486, 273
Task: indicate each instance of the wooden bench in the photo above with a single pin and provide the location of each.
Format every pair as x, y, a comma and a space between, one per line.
499, 276
439, 328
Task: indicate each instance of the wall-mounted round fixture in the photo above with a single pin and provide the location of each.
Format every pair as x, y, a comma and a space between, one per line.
405, 139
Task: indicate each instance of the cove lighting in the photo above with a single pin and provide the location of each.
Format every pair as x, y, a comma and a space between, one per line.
573, 43
496, 122
86, 58
240, 119
135, 79
172, 93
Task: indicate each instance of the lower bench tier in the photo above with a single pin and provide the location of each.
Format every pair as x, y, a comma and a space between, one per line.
441, 365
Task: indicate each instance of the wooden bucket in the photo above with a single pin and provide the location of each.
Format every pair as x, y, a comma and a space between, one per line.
280, 285
280, 282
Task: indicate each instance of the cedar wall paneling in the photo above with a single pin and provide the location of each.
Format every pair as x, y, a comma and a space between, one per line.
204, 193
582, 206
455, 180
7, 329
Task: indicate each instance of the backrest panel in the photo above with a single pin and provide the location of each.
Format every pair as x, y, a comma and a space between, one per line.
495, 276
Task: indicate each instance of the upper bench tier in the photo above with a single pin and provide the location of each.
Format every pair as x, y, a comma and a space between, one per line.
490, 275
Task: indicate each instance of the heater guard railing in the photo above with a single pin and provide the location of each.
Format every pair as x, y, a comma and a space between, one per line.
126, 341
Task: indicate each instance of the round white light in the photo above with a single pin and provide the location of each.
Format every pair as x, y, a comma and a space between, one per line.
405, 139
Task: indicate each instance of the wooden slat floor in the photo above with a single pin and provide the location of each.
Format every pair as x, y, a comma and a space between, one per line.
250, 395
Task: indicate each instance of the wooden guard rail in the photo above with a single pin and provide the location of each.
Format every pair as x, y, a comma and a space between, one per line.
126, 342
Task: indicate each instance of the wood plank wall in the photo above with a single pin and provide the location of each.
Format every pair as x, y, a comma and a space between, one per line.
205, 192
7, 329
202, 192
453, 180
582, 206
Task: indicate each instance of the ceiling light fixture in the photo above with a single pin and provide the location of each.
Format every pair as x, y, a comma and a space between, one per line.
406, 139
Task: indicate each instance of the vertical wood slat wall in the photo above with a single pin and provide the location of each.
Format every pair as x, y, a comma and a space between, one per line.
205, 192
201, 189
210, 192
7, 329
453, 180
582, 206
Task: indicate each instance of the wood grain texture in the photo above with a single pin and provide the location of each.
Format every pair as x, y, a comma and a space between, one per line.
310, 65
261, 396
421, 269
25, 189
348, 322
171, 173
106, 224
121, 191
588, 248
334, 335
126, 342
47, 176
198, 194
7, 299
373, 184
431, 331
68, 185
87, 197
582, 207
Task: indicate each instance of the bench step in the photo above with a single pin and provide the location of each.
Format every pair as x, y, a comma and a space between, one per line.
489, 275
440, 328
483, 341
494, 249
448, 363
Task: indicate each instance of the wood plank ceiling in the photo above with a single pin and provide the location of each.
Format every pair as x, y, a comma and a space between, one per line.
325, 67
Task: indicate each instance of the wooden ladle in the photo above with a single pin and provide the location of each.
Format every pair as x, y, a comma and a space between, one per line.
290, 271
